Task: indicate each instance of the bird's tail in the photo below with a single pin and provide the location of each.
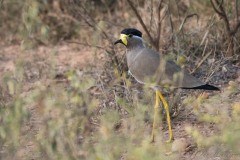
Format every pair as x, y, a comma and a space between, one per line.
204, 87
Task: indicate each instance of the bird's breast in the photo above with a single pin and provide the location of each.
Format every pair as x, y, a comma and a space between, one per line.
142, 65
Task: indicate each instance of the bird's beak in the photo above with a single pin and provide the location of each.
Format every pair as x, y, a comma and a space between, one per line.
118, 41
123, 39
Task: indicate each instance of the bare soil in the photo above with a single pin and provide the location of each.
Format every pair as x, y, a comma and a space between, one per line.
74, 57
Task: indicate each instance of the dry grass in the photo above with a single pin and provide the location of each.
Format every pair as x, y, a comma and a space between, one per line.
62, 100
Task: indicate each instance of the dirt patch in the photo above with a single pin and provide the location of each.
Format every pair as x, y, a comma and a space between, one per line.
62, 58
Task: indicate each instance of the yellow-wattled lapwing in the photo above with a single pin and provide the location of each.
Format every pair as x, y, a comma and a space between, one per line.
148, 67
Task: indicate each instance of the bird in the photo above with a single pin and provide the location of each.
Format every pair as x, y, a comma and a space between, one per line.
150, 68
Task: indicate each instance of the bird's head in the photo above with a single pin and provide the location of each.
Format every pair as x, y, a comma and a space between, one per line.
130, 37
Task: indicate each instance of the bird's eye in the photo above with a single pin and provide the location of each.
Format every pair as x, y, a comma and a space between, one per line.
130, 35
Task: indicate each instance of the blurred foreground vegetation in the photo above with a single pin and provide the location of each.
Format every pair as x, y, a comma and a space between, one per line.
100, 112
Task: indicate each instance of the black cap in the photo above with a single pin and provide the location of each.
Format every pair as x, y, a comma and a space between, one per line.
132, 31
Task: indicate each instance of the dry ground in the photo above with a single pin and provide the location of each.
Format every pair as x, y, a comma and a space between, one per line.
74, 57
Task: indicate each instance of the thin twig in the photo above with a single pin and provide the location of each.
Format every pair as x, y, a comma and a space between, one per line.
159, 25
224, 15
214, 7
141, 21
171, 26
185, 19
234, 31
63, 16
151, 15
201, 62
237, 12
95, 24
87, 44
221, 12
230, 31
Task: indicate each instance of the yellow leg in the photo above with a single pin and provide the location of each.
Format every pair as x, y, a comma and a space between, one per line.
156, 107
168, 115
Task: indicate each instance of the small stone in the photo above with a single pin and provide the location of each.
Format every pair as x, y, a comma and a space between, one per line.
224, 69
179, 145
232, 83
211, 60
238, 79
